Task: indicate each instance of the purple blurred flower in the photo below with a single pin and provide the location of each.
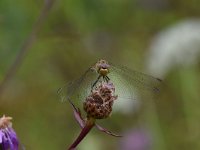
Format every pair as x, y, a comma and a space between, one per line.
8, 137
137, 139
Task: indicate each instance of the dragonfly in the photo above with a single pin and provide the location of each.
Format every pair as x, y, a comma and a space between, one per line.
130, 84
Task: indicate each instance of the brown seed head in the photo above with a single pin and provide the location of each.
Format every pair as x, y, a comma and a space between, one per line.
99, 103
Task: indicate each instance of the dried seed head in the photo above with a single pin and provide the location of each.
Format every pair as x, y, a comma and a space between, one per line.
99, 103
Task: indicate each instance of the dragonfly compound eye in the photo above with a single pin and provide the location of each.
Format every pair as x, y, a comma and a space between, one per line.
99, 103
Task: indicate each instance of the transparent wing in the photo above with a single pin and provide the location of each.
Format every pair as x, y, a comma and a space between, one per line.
78, 89
132, 83
132, 87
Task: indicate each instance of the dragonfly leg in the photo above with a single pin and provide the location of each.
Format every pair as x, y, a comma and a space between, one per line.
95, 82
107, 78
104, 79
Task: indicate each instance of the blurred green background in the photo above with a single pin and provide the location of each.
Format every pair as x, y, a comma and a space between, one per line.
72, 35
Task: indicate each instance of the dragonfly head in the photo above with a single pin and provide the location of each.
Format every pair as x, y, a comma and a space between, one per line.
102, 67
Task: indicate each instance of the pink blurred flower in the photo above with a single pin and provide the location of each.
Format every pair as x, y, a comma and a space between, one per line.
137, 139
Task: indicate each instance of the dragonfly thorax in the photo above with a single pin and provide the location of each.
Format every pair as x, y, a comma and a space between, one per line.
103, 71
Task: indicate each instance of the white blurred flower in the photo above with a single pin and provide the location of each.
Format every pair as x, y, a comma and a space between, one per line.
178, 45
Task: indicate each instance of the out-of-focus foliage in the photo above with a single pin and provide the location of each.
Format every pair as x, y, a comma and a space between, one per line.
74, 35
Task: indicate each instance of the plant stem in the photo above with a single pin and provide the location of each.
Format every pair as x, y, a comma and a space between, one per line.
27, 43
89, 124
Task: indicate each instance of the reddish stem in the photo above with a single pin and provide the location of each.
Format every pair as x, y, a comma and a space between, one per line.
89, 124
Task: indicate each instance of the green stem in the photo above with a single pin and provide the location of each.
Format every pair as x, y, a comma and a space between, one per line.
89, 124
